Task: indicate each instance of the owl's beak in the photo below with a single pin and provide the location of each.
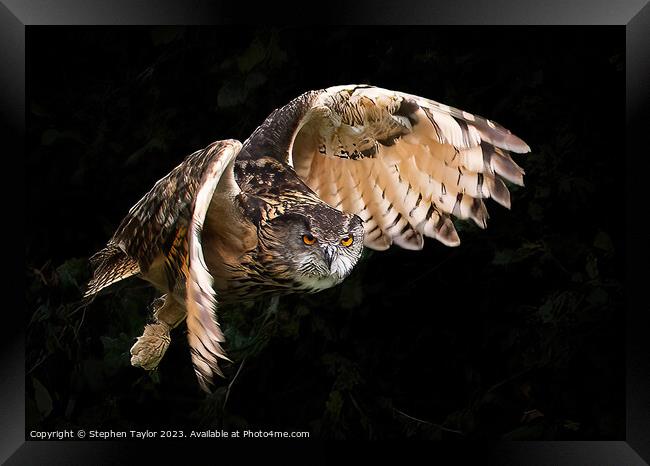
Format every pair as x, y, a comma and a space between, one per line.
328, 252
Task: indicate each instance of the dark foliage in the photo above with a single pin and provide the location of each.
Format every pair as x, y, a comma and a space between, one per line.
516, 334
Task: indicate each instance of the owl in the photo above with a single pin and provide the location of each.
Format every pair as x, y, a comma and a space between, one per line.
291, 208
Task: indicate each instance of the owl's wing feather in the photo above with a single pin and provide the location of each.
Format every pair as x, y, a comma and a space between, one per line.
110, 265
204, 333
154, 228
155, 234
403, 163
158, 223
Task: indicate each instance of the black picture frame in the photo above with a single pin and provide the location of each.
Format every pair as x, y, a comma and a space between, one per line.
633, 15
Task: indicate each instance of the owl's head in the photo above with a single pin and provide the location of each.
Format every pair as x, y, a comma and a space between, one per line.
318, 246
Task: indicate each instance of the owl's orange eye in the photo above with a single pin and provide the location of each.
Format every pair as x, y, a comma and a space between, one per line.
308, 239
346, 241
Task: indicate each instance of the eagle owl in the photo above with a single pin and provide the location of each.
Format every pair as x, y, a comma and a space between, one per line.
291, 208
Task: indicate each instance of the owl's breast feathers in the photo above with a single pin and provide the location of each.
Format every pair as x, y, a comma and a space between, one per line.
269, 189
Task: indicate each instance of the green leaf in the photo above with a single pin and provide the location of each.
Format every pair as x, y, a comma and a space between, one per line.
116, 351
546, 311
254, 80
42, 397
231, 94
334, 404
93, 373
597, 297
603, 242
507, 256
571, 425
503, 257
253, 55
42, 313
536, 211
156, 144
72, 272
592, 267
49, 136
38, 110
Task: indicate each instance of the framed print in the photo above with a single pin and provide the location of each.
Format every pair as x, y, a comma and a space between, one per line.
419, 226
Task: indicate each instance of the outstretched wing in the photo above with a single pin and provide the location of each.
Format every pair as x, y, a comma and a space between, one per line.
163, 230
156, 226
403, 163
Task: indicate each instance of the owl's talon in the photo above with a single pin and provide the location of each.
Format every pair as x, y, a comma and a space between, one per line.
150, 348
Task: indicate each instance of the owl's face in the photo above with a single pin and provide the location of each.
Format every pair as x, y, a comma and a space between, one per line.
319, 247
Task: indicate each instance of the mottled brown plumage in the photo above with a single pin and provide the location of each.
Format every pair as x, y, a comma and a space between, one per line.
291, 208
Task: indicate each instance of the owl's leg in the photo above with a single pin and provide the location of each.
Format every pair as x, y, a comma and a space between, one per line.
150, 348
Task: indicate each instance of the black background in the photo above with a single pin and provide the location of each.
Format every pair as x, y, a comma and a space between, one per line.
525, 317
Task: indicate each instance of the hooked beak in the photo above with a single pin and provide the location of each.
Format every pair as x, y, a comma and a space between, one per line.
328, 252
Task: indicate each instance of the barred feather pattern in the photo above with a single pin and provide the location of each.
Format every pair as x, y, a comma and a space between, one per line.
203, 331
156, 226
163, 230
406, 165
110, 265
